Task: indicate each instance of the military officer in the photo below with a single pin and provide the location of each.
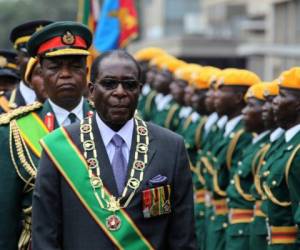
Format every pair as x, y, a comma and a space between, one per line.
231, 89
33, 76
61, 49
258, 229
182, 78
193, 132
167, 110
9, 77
240, 201
144, 56
19, 37
131, 188
280, 171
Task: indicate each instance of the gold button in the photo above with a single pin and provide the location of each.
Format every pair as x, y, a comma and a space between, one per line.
227, 200
225, 225
201, 213
241, 231
264, 162
266, 173
232, 182
212, 218
240, 172
239, 163
274, 183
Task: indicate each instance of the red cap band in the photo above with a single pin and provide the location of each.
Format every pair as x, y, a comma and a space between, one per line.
57, 42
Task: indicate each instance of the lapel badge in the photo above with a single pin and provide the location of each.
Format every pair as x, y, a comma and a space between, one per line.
142, 130
68, 38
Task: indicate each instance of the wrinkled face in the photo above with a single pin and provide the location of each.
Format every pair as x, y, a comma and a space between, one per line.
37, 83
252, 115
188, 92
162, 82
177, 90
116, 90
64, 79
197, 100
209, 100
286, 107
225, 100
8, 83
268, 114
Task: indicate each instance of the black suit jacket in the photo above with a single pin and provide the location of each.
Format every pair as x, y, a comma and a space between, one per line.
61, 222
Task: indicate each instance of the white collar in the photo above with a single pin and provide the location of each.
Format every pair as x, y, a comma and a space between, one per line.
260, 136
211, 120
195, 116
27, 93
107, 133
146, 89
231, 124
61, 114
276, 134
157, 98
222, 121
164, 101
290, 133
185, 111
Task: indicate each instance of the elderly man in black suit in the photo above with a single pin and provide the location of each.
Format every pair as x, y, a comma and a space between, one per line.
113, 180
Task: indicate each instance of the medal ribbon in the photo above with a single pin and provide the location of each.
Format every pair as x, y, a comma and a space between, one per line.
65, 155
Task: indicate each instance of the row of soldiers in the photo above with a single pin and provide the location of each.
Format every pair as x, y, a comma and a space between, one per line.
243, 138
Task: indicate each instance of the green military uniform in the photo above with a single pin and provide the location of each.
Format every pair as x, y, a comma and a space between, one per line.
209, 140
22, 129
258, 228
168, 115
277, 206
222, 160
19, 164
185, 118
146, 99
240, 201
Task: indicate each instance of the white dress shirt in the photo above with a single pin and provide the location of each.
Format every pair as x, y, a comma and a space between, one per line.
107, 134
260, 136
163, 102
27, 93
61, 114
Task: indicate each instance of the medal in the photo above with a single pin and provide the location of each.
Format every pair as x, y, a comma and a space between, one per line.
113, 222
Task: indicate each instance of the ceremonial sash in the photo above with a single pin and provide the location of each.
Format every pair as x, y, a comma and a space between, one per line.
32, 129
65, 156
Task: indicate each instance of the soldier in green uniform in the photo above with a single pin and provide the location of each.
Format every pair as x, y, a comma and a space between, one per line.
19, 36
240, 201
144, 56
33, 76
167, 109
147, 106
9, 77
231, 88
280, 173
182, 79
193, 131
258, 229
61, 48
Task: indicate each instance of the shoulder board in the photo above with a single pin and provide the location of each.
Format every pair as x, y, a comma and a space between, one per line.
6, 118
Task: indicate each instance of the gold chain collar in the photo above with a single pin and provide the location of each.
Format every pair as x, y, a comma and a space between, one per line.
137, 171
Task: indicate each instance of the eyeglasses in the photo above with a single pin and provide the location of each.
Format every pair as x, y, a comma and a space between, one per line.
111, 84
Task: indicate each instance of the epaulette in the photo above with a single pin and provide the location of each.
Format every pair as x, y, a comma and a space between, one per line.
6, 118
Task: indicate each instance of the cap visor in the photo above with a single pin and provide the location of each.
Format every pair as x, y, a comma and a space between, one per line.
67, 52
